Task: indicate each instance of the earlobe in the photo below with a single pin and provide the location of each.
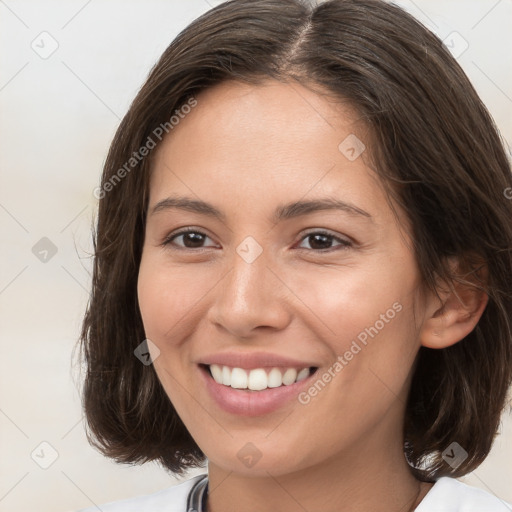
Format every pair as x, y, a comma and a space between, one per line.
457, 315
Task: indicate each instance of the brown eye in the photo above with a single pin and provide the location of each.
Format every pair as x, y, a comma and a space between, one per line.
190, 239
323, 241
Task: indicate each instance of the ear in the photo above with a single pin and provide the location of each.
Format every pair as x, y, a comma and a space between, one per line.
461, 307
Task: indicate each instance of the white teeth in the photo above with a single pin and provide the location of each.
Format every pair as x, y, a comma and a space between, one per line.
303, 374
239, 378
275, 378
289, 376
256, 379
226, 376
216, 373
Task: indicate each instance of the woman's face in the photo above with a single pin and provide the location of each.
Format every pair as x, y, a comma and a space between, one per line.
268, 270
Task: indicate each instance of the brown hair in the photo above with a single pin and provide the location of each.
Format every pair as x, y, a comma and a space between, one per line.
434, 141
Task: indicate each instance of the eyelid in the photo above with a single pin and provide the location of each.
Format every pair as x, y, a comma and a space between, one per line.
345, 242
168, 239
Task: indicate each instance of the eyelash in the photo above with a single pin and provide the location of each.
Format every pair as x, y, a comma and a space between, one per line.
344, 244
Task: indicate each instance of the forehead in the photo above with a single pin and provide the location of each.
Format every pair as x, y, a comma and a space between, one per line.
255, 144
258, 120
291, 111
279, 101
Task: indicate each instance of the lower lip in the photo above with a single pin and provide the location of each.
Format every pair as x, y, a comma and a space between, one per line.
245, 402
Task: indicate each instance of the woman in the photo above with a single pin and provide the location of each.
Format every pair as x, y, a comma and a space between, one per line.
303, 266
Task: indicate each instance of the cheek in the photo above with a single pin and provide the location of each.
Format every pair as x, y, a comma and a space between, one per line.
344, 302
169, 302
366, 318
168, 298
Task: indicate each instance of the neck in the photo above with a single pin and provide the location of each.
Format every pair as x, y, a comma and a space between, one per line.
370, 475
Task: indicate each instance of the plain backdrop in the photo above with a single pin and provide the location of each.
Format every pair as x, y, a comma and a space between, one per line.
68, 72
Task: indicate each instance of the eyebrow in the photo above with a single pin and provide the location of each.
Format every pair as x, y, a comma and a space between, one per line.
283, 212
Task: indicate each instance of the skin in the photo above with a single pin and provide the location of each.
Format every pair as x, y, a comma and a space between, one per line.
247, 149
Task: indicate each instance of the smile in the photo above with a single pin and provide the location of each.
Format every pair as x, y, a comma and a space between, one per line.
257, 379
256, 391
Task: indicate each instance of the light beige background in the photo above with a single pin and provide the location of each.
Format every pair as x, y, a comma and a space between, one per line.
58, 115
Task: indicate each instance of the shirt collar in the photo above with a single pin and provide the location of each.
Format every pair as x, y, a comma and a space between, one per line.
196, 500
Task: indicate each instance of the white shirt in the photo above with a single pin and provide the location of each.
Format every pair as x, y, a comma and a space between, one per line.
446, 495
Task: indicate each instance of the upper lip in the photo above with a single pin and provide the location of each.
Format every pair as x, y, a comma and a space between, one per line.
250, 360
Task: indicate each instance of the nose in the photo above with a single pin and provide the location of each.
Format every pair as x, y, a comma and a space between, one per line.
250, 297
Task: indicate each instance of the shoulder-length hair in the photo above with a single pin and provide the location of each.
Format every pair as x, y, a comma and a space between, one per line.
433, 144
